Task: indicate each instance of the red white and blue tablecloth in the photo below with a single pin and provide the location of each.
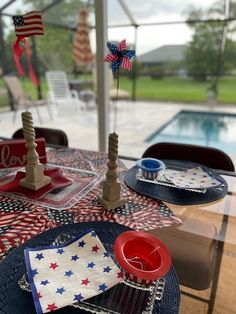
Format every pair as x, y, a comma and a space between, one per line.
21, 219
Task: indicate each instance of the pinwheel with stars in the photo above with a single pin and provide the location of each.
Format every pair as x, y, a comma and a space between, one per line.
119, 56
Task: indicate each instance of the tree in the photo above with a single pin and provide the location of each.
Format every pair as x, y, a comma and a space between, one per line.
202, 52
210, 52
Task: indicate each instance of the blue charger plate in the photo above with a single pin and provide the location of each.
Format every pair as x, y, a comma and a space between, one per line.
14, 300
174, 195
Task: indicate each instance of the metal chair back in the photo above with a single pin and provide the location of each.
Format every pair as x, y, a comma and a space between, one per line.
53, 137
208, 156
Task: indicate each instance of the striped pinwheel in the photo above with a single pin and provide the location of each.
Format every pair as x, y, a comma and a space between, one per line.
119, 56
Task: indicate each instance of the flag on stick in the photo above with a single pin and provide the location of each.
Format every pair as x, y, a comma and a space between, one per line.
25, 26
28, 24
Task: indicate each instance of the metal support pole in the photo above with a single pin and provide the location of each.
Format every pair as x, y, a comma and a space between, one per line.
102, 73
4, 63
36, 67
134, 71
3, 60
7, 5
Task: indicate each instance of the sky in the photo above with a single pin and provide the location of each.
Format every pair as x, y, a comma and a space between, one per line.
148, 37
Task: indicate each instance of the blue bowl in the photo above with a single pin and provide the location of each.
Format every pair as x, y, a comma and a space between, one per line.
151, 168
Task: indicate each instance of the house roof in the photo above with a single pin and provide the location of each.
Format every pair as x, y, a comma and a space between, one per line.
163, 54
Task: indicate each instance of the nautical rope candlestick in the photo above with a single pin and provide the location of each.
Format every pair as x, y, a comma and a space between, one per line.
111, 197
34, 170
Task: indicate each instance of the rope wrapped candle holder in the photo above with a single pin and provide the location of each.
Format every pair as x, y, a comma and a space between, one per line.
143, 257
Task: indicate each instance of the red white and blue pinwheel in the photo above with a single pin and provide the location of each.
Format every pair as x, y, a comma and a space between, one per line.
119, 56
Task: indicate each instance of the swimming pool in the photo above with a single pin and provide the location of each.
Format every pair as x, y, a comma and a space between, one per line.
213, 129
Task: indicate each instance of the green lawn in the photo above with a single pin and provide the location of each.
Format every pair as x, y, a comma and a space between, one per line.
227, 91
31, 90
3, 95
171, 89
176, 89
167, 89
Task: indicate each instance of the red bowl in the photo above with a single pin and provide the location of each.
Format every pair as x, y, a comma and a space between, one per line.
142, 255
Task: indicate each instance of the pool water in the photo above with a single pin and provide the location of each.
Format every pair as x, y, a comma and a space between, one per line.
213, 129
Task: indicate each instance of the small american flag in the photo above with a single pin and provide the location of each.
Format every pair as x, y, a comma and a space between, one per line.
28, 24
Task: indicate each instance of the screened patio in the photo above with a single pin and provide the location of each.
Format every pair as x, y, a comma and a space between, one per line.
146, 27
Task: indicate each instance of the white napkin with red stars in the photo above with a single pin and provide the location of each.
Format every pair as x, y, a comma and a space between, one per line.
63, 275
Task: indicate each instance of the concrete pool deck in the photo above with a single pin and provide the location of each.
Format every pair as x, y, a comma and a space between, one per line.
136, 121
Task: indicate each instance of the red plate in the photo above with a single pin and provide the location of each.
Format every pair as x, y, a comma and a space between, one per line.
142, 255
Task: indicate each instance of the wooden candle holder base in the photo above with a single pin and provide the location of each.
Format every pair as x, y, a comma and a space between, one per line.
111, 197
35, 178
109, 205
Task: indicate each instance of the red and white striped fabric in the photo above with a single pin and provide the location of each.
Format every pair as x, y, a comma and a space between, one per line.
23, 220
126, 64
24, 225
7, 219
138, 280
110, 58
122, 45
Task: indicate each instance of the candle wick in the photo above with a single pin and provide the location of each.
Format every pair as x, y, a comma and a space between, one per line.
154, 250
136, 260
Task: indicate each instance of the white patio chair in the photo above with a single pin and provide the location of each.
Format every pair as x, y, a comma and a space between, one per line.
59, 91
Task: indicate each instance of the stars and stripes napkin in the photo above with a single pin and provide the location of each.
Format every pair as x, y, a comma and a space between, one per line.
196, 178
63, 275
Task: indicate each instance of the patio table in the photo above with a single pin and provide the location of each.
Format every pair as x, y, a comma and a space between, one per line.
84, 89
80, 85
219, 212
23, 218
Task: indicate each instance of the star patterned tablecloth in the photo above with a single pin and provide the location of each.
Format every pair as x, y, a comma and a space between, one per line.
21, 219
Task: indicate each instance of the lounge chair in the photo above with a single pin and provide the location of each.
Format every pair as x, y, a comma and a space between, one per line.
20, 99
59, 91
